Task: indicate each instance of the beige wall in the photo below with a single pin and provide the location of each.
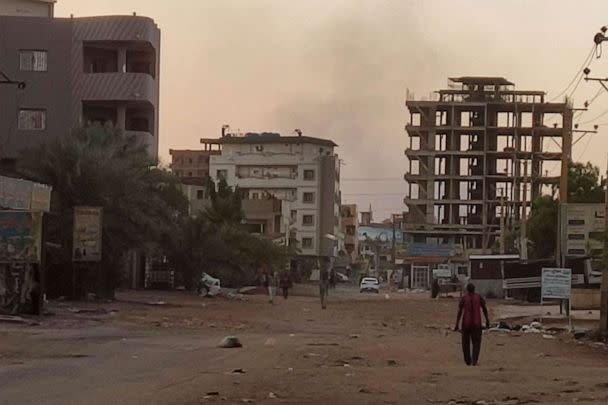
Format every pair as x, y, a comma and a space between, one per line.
26, 8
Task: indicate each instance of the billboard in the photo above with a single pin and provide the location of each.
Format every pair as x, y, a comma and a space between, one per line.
556, 283
86, 246
18, 194
20, 237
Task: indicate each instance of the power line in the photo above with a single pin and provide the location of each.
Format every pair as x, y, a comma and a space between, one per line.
593, 119
576, 75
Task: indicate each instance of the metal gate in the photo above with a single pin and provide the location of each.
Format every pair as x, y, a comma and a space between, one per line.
420, 277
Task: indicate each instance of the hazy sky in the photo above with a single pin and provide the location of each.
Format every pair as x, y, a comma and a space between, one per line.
339, 69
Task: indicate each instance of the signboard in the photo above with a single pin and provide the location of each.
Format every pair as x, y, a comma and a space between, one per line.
18, 194
442, 271
87, 234
20, 237
556, 283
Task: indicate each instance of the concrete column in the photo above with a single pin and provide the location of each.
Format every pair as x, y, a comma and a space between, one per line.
121, 117
122, 60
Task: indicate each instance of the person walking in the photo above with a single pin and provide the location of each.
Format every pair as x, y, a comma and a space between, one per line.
470, 308
324, 283
285, 284
268, 283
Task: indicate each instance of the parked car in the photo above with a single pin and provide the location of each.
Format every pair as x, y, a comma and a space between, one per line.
370, 284
208, 286
342, 278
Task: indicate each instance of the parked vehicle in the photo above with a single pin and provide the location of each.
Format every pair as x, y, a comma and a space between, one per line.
342, 278
369, 284
208, 286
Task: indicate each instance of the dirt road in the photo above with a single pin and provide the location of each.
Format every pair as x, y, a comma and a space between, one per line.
362, 349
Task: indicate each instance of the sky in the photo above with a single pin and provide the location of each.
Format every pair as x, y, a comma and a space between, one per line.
340, 69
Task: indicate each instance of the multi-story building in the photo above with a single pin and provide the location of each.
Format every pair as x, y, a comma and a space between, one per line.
583, 230
300, 171
76, 71
186, 163
469, 151
350, 230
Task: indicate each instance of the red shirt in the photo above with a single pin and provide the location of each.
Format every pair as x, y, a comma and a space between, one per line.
471, 310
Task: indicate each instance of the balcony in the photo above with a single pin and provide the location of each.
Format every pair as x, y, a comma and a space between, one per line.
261, 209
120, 87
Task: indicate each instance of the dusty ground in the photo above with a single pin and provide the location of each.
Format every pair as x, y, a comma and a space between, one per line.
362, 349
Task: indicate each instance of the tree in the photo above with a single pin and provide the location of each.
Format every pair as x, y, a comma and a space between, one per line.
584, 183
542, 227
99, 166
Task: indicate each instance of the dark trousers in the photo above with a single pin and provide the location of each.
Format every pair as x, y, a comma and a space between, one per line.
471, 334
285, 292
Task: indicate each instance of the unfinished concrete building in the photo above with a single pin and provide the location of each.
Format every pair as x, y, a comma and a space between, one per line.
478, 150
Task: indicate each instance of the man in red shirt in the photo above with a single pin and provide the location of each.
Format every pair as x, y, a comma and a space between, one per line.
469, 310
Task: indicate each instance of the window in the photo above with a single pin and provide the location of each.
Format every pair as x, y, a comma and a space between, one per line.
576, 251
222, 174
307, 243
32, 119
200, 194
576, 236
189, 174
33, 61
294, 215
190, 160
309, 197
255, 196
307, 220
309, 174
576, 222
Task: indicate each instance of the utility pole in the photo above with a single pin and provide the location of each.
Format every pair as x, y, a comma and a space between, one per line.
604, 288
523, 251
503, 238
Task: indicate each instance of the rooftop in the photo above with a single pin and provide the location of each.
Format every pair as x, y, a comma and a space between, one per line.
267, 138
483, 80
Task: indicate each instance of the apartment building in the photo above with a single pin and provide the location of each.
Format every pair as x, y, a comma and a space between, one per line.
76, 71
478, 152
583, 229
187, 163
300, 171
350, 230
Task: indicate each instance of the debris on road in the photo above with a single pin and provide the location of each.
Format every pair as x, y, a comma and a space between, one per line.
391, 363
238, 371
272, 395
270, 342
354, 336
364, 390
13, 319
250, 290
230, 342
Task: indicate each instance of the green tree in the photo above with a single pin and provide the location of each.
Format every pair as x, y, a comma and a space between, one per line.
542, 227
99, 166
584, 183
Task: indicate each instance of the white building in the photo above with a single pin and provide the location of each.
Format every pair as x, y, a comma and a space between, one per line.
302, 172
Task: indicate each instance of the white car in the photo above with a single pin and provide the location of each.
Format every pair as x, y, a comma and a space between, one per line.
208, 286
370, 284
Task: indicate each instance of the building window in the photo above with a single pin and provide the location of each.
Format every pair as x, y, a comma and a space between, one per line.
307, 243
294, 215
200, 194
32, 120
33, 61
576, 236
222, 174
189, 174
577, 252
309, 197
307, 220
576, 222
255, 196
309, 174
190, 160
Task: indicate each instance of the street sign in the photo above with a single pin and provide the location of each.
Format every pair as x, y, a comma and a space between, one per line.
442, 271
556, 283
87, 234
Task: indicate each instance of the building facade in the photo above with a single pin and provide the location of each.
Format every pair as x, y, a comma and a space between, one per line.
350, 230
477, 153
76, 71
302, 172
187, 163
583, 229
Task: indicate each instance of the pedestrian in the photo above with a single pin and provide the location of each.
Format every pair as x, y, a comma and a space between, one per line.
332, 279
469, 310
324, 283
285, 284
268, 284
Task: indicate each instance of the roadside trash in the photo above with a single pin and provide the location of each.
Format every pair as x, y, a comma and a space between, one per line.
213, 394
88, 310
230, 342
247, 290
579, 334
498, 329
387, 297
309, 355
272, 395
290, 369
247, 400
235, 297
306, 309
270, 342
364, 391
292, 335
212, 325
354, 336
156, 303
238, 371
391, 363
536, 325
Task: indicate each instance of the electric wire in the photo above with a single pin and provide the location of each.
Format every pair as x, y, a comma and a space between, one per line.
578, 74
